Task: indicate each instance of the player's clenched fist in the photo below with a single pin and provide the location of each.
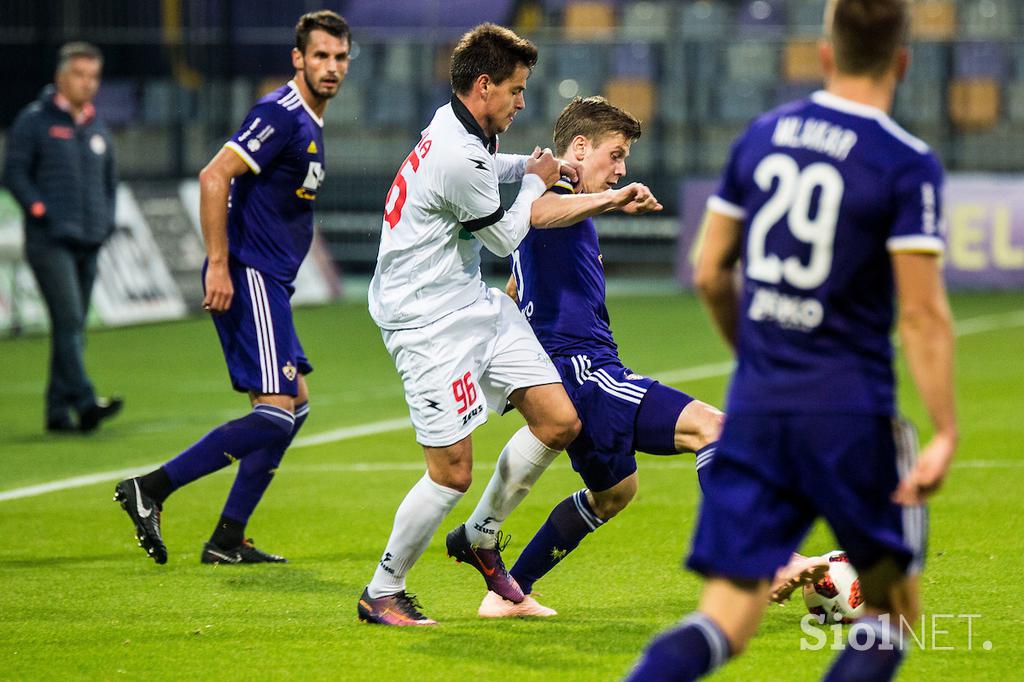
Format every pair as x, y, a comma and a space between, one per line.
219, 290
636, 198
543, 164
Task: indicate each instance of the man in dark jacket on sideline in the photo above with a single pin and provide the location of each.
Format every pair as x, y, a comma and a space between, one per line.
60, 168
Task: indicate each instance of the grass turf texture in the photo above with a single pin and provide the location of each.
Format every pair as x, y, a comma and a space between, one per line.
80, 600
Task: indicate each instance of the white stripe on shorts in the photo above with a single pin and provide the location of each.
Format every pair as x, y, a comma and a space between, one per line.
630, 394
264, 332
915, 518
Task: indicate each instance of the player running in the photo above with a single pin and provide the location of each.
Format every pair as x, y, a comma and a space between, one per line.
256, 209
559, 283
460, 347
830, 203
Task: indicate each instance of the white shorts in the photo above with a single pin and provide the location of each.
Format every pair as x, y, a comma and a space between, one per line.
457, 367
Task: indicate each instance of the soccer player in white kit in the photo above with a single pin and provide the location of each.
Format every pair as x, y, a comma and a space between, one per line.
459, 346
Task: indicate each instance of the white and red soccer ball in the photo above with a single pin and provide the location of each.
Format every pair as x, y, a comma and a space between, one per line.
836, 598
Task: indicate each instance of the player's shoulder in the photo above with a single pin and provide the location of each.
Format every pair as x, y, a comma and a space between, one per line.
284, 106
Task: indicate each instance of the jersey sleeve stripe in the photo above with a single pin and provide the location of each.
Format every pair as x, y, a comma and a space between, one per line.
244, 155
726, 208
486, 221
915, 243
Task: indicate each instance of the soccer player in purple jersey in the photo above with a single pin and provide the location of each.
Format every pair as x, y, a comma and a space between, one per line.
558, 281
256, 211
831, 205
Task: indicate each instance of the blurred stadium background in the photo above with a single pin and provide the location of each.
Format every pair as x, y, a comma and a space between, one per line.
179, 76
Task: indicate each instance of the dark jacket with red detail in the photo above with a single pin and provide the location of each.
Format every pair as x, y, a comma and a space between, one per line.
68, 167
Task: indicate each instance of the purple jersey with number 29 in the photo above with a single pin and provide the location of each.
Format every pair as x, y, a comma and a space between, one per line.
826, 189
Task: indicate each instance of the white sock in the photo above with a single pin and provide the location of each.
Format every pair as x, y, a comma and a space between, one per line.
520, 464
416, 520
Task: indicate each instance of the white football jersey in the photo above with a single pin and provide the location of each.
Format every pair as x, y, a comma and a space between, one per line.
442, 206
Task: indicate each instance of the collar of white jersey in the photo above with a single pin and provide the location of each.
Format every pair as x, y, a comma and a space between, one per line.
466, 118
305, 104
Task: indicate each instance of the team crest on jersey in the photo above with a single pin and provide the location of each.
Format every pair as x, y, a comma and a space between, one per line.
289, 371
312, 147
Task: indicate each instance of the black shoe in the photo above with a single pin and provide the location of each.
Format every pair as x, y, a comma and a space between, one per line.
145, 514
61, 425
487, 561
245, 553
103, 409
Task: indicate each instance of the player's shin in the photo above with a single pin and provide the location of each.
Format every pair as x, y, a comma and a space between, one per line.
418, 517
520, 464
692, 649
255, 472
569, 522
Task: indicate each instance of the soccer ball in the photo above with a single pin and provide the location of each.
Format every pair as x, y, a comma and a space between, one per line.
836, 598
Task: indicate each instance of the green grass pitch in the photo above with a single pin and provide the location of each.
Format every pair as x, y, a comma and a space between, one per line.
78, 599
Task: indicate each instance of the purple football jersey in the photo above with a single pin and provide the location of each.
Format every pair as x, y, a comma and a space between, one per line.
826, 188
560, 279
270, 211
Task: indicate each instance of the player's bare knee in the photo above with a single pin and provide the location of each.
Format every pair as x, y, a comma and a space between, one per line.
456, 478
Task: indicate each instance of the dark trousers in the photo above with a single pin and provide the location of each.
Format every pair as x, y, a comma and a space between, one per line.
65, 277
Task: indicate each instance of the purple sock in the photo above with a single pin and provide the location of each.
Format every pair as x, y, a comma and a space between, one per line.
876, 655
266, 424
569, 522
255, 473
704, 457
692, 649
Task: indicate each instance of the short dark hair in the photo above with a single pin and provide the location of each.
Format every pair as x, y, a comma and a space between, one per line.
325, 20
77, 50
490, 49
865, 34
594, 118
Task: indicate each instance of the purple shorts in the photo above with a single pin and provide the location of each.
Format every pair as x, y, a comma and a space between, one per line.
773, 475
258, 336
622, 413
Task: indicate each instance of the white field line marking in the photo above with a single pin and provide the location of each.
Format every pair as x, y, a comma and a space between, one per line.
974, 325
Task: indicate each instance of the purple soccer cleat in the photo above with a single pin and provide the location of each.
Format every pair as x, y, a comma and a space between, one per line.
399, 609
487, 561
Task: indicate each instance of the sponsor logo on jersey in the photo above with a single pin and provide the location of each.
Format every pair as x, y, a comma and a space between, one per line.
479, 409
289, 371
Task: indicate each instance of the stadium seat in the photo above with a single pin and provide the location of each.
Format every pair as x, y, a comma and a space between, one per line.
393, 105
589, 20
974, 103
805, 18
1015, 102
401, 62
704, 20
740, 101
762, 18
159, 102
929, 62
558, 93
581, 61
634, 59
633, 94
800, 61
752, 60
716, 143
933, 20
976, 59
919, 103
702, 72
990, 19
993, 150
646, 21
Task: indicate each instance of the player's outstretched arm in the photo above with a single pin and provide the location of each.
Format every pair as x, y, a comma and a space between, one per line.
214, 187
926, 329
714, 276
562, 210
